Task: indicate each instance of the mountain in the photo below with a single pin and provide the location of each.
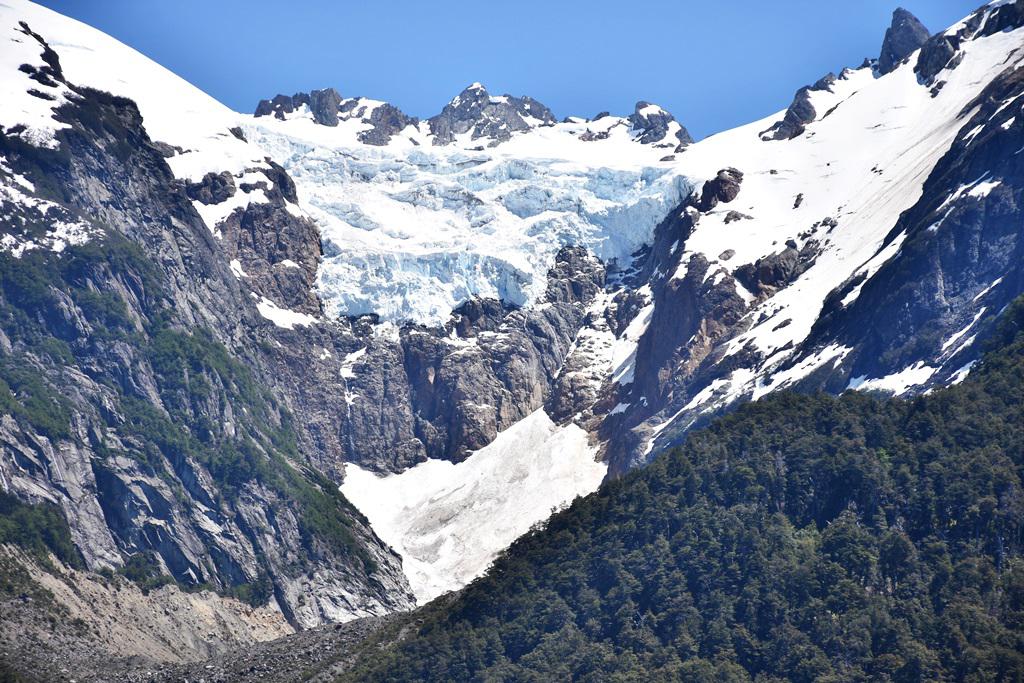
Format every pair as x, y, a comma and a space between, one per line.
330, 360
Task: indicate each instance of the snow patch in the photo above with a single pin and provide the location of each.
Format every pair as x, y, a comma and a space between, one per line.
956, 337
283, 317
897, 383
449, 521
623, 359
348, 365
988, 289
961, 374
983, 189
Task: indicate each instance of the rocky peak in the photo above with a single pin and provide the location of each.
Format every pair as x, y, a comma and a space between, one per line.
904, 35
485, 116
324, 105
471, 100
387, 120
656, 126
724, 187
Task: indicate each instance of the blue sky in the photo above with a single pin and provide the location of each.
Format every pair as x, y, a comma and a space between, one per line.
715, 65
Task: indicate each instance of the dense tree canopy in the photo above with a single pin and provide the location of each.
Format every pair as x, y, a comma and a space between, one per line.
803, 538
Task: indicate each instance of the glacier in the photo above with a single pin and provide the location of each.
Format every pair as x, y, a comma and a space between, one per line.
411, 230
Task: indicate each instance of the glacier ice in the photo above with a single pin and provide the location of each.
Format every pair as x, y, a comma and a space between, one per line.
410, 232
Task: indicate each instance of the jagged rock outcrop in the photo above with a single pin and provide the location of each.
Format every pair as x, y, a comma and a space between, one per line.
724, 187
323, 104
905, 34
214, 188
475, 111
277, 252
942, 50
771, 273
387, 121
328, 108
800, 112
281, 105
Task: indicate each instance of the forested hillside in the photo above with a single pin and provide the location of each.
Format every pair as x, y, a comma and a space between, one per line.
801, 538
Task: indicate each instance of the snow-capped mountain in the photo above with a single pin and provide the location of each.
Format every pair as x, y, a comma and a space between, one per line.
468, 320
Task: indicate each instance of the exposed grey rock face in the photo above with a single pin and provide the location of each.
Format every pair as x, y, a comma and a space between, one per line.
653, 123
905, 35
692, 315
475, 111
278, 252
387, 121
800, 112
324, 105
935, 55
435, 392
281, 105
214, 188
771, 273
1007, 16
724, 187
